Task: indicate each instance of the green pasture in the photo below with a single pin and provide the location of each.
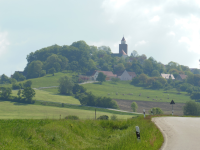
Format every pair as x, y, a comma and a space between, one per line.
45, 81
39, 134
13, 110
52, 97
124, 90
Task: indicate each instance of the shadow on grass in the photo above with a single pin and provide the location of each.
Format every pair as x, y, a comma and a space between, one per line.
17, 103
97, 83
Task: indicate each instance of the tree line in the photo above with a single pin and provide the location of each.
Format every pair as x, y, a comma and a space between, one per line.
68, 87
24, 95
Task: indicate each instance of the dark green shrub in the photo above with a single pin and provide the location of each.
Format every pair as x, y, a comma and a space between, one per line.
104, 117
156, 111
27, 84
72, 117
16, 86
191, 108
134, 106
135, 81
114, 125
43, 73
113, 117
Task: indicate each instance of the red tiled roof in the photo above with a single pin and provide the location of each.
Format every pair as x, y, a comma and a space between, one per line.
108, 73
132, 74
91, 73
120, 73
183, 76
123, 53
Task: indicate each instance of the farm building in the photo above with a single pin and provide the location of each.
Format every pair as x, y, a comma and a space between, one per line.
124, 75
167, 76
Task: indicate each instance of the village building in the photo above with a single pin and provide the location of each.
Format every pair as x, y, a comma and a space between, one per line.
92, 75
181, 77
167, 76
124, 75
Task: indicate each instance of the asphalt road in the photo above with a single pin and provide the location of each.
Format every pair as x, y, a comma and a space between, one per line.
180, 133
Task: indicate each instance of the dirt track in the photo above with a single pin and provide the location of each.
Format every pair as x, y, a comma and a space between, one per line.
166, 107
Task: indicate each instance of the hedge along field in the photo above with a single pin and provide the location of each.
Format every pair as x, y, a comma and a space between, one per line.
13, 110
125, 89
52, 97
79, 134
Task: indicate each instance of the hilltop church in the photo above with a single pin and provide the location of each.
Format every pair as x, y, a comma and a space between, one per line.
123, 49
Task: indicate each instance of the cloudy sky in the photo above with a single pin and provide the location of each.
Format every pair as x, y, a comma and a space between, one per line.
168, 30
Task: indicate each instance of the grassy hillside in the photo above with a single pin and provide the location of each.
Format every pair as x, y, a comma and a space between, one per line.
123, 87
79, 134
45, 81
12, 110
52, 97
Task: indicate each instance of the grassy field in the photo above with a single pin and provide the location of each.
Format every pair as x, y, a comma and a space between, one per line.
52, 97
45, 81
79, 134
12, 110
124, 90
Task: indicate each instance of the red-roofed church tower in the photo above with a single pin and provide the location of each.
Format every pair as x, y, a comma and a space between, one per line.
123, 46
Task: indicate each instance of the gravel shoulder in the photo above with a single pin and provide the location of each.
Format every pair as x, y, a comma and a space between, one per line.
180, 133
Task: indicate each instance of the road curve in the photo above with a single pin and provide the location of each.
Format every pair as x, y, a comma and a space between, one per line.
180, 133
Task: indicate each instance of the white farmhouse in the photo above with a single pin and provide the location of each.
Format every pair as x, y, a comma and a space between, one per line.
126, 75
167, 76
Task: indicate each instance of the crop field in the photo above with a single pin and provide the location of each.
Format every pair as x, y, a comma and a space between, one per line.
124, 90
147, 105
87, 134
13, 110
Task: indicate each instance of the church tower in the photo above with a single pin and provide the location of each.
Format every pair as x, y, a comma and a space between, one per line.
123, 46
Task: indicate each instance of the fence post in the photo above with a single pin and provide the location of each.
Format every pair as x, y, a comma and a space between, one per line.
95, 113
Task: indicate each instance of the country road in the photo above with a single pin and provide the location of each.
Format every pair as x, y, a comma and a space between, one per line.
180, 133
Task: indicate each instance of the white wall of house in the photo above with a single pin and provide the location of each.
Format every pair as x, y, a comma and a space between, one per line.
96, 75
125, 76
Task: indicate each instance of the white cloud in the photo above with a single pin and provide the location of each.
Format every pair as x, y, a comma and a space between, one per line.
192, 39
198, 2
155, 19
157, 8
140, 43
3, 42
171, 33
146, 11
116, 4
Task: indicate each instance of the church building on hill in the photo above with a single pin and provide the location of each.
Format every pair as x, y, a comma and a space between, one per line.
123, 49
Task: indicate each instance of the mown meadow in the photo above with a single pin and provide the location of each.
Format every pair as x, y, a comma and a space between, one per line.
79, 134
124, 90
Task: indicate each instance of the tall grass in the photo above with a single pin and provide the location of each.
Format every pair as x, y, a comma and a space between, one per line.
79, 134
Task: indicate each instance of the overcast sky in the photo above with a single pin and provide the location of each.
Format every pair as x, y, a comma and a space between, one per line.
168, 30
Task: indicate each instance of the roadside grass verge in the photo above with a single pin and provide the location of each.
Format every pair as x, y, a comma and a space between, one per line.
127, 91
14, 110
79, 134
